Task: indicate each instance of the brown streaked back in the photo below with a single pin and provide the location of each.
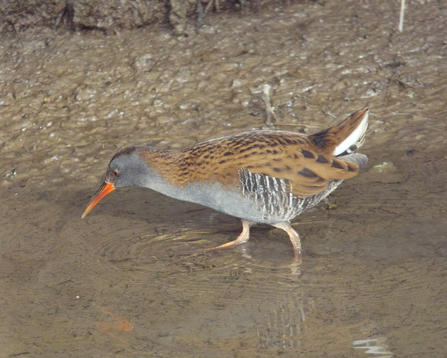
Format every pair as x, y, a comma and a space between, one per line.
283, 155
306, 161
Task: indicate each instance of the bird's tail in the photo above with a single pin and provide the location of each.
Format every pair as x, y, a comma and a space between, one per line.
346, 137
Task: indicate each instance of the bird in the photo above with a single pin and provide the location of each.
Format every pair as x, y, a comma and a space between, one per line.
259, 176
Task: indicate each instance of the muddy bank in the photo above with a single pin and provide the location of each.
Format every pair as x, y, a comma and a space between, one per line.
373, 272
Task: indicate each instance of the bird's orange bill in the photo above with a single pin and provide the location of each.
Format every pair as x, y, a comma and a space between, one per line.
103, 190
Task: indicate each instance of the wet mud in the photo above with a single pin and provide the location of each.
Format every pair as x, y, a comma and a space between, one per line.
122, 281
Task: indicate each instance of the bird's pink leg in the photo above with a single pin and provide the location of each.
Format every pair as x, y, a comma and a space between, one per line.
293, 236
243, 237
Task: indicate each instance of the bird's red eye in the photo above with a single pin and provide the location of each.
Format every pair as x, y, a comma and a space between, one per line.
115, 173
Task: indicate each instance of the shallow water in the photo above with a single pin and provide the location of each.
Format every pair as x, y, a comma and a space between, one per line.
373, 279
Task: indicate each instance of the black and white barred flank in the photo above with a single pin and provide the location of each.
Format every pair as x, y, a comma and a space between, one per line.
273, 196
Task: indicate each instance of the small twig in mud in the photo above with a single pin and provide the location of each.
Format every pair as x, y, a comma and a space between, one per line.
402, 10
268, 107
200, 14
210, 3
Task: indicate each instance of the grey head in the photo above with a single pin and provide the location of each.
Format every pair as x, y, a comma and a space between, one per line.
127, 168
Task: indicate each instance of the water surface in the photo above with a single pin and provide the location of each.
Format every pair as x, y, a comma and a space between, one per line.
373, 279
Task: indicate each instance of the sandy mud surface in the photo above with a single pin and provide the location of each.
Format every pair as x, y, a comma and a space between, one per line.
120, 283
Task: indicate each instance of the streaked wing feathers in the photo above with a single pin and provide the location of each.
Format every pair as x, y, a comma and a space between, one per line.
308, 173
